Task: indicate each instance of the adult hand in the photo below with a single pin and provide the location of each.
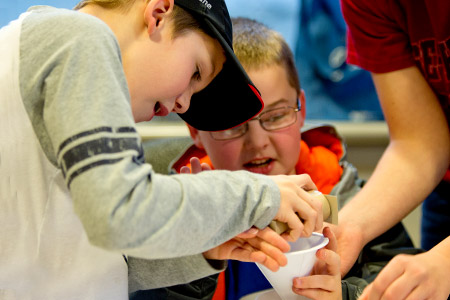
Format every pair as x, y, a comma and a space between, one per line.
298, 209
421, 276
324, 283
261, 246
350, 243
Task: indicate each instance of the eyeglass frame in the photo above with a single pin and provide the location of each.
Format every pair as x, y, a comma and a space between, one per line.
258, 118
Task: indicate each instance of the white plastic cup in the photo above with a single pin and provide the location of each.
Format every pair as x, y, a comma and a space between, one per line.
301, 259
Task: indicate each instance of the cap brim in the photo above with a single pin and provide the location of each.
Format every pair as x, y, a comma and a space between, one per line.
229, 100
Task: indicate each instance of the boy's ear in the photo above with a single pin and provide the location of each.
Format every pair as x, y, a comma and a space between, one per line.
195, 137
301, 96
156, 14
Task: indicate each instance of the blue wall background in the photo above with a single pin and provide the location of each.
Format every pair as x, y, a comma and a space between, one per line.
316, 32
11, 9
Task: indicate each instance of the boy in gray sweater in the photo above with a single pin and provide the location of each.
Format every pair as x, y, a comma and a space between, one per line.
75, 191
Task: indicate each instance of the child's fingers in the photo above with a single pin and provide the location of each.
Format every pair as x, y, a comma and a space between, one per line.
262, 246
297, 208
185, 170
270, 236
268, 261
246, 252
304, 181
205, 167
332, 260
296, 229
250, 233
314, 294
271, 251
257, 257
332, 244
307, 213
322, 282
325, 282
195, 165
316, 204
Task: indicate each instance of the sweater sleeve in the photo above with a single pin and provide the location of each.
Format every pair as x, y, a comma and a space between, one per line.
75, 93
182, 270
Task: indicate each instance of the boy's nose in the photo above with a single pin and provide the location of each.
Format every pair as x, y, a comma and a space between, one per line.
256, 137
182, 104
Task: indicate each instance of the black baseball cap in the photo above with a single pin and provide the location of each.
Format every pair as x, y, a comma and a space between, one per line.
231, 98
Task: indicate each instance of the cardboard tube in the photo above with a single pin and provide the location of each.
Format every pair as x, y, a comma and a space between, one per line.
329, 209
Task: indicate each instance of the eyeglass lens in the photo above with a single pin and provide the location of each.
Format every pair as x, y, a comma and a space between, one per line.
274, 119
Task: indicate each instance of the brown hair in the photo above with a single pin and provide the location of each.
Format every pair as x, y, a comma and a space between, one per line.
183, 21
258, 46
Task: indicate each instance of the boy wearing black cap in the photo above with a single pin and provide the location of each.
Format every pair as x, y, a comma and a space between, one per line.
75, 192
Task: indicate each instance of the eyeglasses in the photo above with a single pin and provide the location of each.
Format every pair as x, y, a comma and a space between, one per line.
274, 119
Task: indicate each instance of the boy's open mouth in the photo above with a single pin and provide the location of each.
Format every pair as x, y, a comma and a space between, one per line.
157, 108
258, 163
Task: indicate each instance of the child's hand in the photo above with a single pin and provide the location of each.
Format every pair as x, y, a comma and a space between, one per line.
298, 206
324, 283
196, 166
261, 246
421, 276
